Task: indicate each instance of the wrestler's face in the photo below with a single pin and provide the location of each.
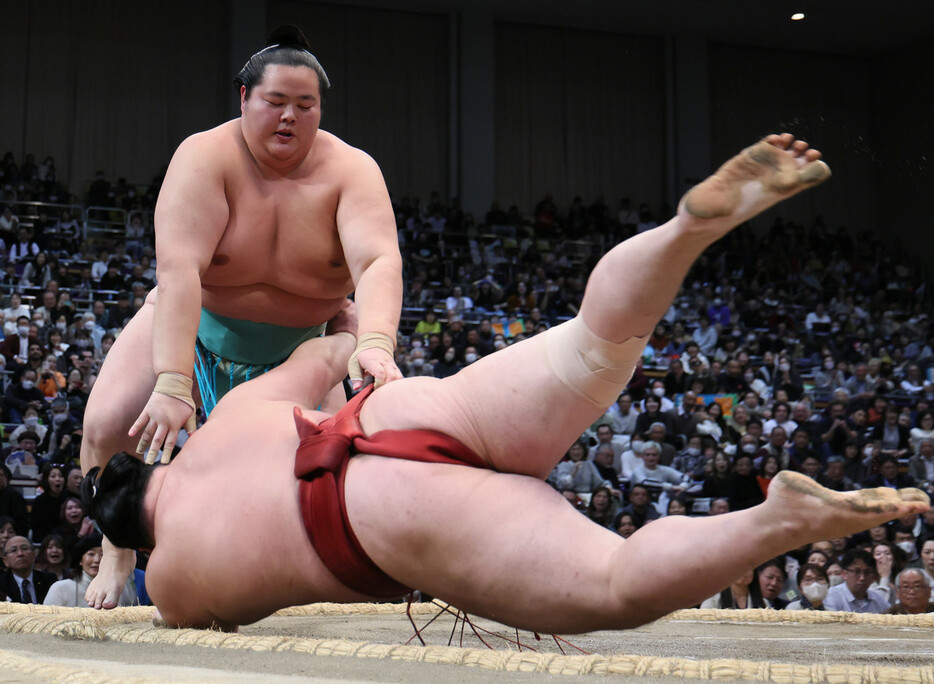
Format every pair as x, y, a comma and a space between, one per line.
281, 115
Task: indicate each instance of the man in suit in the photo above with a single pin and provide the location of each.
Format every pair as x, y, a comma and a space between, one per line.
921, 465
22, 583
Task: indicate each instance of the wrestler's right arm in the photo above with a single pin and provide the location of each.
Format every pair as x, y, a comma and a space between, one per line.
191, 216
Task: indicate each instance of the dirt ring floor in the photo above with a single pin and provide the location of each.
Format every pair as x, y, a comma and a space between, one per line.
371, 643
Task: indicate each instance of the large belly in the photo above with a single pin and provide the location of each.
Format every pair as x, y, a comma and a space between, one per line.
268, 304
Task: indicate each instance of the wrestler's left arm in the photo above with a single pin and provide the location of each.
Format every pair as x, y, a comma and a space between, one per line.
367, 229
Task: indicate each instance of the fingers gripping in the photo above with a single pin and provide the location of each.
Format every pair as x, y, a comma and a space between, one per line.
371, 340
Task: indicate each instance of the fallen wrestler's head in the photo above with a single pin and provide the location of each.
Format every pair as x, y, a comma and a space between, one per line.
286, 46
114, 499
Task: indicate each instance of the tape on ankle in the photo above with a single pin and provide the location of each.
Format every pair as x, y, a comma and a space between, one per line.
588, 365
178, 386
369, 340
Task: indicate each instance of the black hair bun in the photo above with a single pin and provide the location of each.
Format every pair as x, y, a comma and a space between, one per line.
288, 35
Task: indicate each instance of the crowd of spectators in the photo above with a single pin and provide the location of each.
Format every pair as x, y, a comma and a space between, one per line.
800, 348
64, 301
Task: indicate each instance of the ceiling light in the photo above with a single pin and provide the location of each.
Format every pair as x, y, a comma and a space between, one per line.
797, 16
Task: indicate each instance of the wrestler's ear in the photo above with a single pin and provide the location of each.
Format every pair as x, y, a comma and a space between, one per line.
243, 97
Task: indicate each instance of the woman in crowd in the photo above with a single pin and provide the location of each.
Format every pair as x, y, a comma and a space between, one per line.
813, 585
736, 424
53, 557
720, 483
767, 470
602, 508
7, 529
46, 508
927, 558
30, 424
677, 505
576, 473
818, 557
37, 272
745, 490
429, 324
86, 559
75, 523
889, 562
742, 594
626, 526
834, 573
770, 579
924, 430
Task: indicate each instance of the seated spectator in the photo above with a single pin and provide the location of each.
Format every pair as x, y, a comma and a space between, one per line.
736, 424
113, 279
577, 474
47, 506
923, 430
74, 523
854, 594
15, 345
889, 561
625, 525
888, 475
777, 446
51, 381
895, 438
768, 469
652, 414
691, 461
787, 379
60, 444
640, 508
30, 424
921, 465
12, 503
719, 483
603, 460
24, 452
834, 475
76, 394
24, 248
771, 577
623, 415
813, 585
914, 593
428, 324
458, 302
52, 556
705, 335
676, 380
37, 272
118, 315
602, 508
860, 385
691, 354
21, 395
745, 491
7, 531
23, 583
781, 418
607, 436
652, 473
86, 558
742, 594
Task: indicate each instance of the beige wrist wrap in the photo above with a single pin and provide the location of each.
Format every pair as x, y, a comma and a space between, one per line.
178, 386
369, 341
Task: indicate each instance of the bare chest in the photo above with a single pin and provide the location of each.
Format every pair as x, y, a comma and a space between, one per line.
281, 233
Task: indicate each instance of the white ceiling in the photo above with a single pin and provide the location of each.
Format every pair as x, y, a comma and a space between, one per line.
856, 27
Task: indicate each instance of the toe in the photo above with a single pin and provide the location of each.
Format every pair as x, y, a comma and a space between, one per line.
912, 494
799, 147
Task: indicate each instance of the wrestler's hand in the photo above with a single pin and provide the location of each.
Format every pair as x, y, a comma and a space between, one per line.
373, 361
159, 424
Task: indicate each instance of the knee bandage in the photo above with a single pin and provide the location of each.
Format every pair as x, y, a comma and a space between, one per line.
589, 366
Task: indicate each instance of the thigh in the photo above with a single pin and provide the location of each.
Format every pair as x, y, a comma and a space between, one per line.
124, 384
503, 546
508, 407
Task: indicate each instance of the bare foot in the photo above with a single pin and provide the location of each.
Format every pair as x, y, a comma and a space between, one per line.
772, 170
814, 512
344, 321
115, 567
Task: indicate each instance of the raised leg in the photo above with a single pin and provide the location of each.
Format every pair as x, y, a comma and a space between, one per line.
510, 407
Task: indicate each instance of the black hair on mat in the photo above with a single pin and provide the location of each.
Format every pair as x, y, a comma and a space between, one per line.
115, 500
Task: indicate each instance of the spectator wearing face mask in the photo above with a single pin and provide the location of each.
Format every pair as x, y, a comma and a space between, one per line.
21, 395
813, 585
657, 388
30, 423
448, 365
15, 346
59, 443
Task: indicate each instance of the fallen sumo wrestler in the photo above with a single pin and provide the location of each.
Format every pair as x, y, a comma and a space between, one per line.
437, 484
